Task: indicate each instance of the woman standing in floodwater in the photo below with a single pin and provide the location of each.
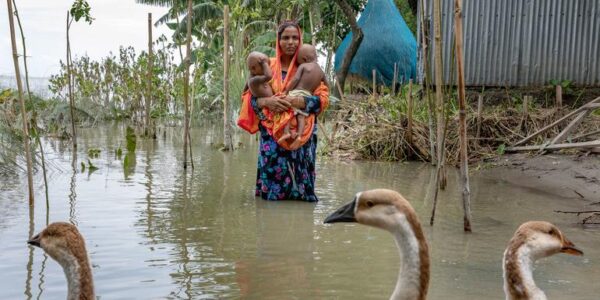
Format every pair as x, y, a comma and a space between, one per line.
284, 174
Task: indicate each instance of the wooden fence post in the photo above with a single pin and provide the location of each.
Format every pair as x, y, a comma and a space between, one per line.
186, 83
227, 141
374, 84
558, 96
479, 116
462, 114
22, 101
147, 130
410, 112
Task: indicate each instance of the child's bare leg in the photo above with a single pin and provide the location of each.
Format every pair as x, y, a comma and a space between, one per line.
286, 133
299, 131
300, 126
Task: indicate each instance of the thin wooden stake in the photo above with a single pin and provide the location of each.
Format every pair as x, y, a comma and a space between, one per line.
427, 82
464, 156
565, 132
70, 83
479, 113
395, 79
558, 96
147, 129
186, 83
22, 101
374, 84
227, 141
591, 144
583, 107
439, 100
34, 114
410, 113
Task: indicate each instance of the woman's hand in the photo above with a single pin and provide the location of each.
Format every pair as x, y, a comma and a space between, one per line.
274, 104
295, 101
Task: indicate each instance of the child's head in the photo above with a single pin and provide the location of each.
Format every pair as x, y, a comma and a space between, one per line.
254, 62
307, 53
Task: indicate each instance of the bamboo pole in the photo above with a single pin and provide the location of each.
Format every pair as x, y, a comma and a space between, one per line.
565, 132
33, 121
16, 13
559, 96
479, 115
410, 113
395, 79
525, 116
583, 107
464, 156
427, 82
374, 84
22, 101
70, 84
147, 130
591, 144
437, 31
227, 141
186, 83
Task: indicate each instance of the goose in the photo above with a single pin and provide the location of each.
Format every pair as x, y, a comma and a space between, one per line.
63, 242
532, 240
388, 210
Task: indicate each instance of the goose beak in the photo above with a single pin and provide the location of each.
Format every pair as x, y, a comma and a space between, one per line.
343, 214
35, 241
569, 248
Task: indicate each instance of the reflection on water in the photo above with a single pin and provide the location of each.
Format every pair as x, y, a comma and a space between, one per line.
153, 231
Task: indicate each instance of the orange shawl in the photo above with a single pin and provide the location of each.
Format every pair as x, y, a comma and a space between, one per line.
275, 123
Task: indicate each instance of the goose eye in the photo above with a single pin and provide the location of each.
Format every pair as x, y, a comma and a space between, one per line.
552, 232
370, 203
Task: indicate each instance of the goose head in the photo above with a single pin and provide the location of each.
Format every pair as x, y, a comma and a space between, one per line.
542, 239
532, 240
63, 242
388, 210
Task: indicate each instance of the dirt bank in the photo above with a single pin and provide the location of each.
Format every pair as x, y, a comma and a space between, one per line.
566, 175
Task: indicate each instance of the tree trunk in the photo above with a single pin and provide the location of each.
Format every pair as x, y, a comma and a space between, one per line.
464, 156
357, 36
22, 101
331, 51
70, 84
186, 82
147, 130
227, 142
312, 27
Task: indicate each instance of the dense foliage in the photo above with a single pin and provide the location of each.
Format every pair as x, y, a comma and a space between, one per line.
116, 85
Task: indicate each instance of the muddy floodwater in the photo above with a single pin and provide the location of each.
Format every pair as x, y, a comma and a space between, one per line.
154, 233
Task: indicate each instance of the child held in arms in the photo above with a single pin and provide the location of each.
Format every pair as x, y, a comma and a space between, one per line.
308, 77
260, 75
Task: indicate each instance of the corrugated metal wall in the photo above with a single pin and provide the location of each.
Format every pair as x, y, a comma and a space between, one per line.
521, 42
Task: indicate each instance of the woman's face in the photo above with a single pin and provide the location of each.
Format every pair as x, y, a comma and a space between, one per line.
289, 41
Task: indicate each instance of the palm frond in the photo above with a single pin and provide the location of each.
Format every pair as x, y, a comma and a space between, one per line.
201, 12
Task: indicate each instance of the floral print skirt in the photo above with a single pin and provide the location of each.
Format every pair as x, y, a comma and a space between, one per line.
284, 174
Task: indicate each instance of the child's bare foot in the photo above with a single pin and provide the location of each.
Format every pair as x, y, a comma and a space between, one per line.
284, 137
294, 135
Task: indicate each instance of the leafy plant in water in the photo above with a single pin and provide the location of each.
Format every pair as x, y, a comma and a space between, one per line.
130, 138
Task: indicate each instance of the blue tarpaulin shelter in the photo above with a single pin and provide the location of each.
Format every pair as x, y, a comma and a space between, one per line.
387, 40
